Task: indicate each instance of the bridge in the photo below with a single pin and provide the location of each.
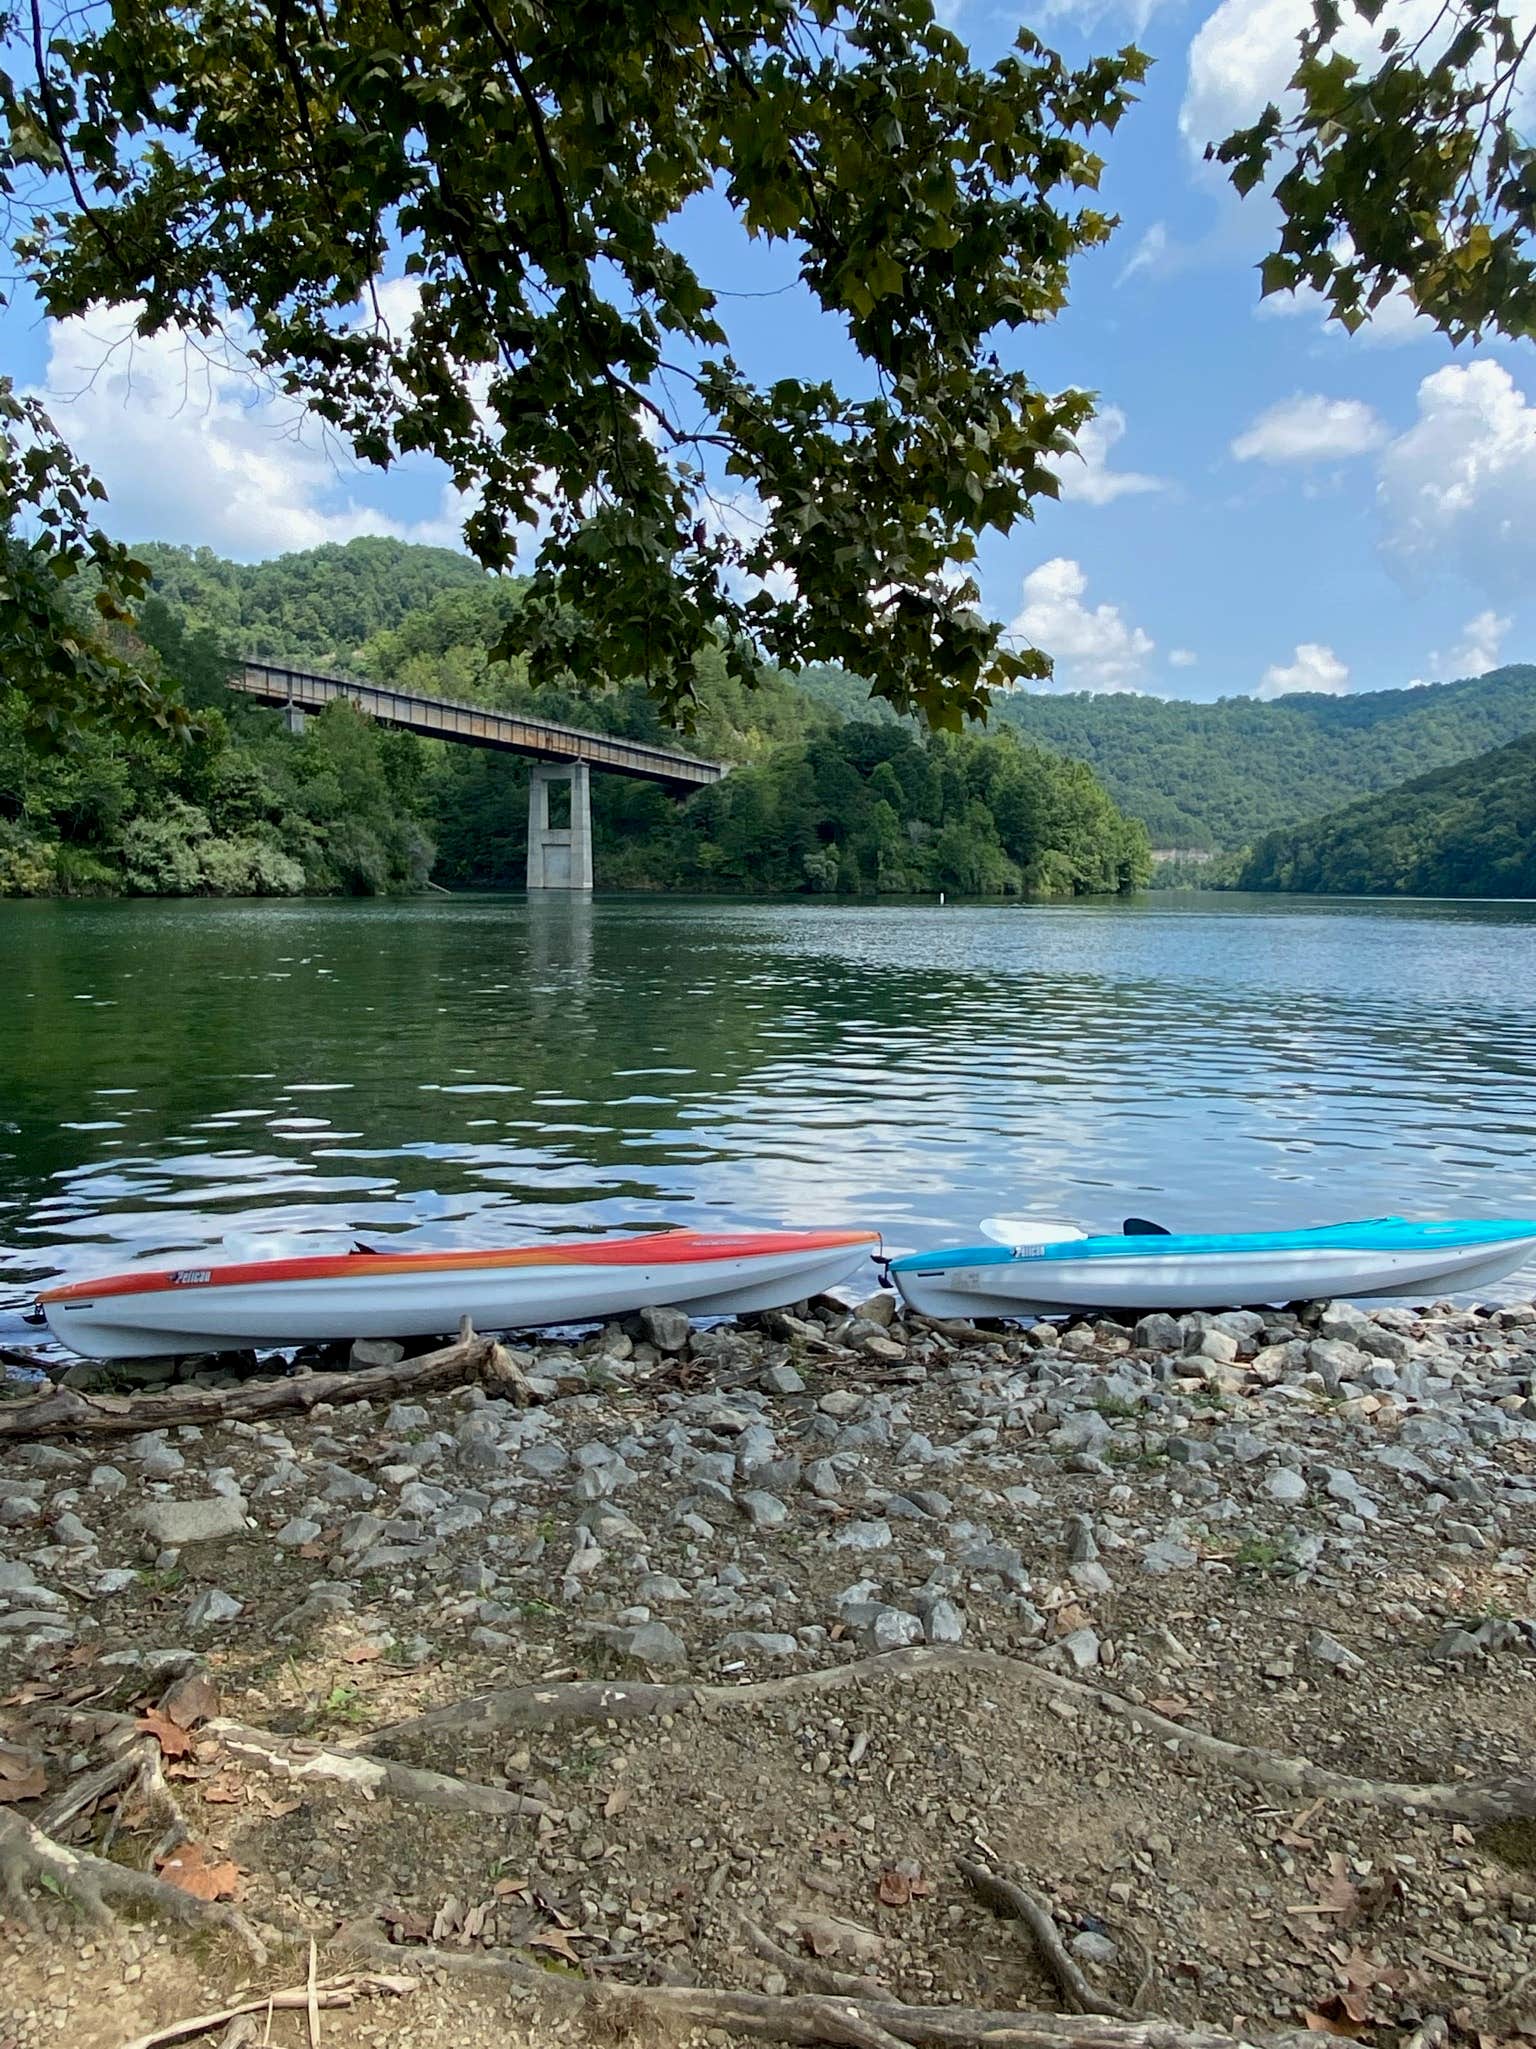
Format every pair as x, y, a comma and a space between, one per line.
559, 857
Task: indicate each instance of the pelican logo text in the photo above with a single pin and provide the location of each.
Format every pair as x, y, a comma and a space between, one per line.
192, 1278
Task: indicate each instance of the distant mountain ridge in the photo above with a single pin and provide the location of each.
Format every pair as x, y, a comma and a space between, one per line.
1223, 775
1468, 830
1216, 776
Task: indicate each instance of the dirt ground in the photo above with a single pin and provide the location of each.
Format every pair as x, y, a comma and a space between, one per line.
1100, 1519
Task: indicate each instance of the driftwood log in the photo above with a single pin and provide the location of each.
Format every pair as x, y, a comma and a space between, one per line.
65, 1412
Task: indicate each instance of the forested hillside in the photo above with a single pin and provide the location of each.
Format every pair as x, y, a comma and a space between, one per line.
819, 800
1463, 831
1220, 775
316, 609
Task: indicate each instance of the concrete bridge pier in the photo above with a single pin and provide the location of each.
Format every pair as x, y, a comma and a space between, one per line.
293, 717
560, 856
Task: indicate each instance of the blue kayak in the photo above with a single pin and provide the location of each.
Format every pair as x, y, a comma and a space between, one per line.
1057, 1267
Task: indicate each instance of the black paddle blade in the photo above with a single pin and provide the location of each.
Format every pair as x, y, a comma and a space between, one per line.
1143, 1227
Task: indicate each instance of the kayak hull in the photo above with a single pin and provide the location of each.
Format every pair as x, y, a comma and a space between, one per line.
1380, 1260
383, 1295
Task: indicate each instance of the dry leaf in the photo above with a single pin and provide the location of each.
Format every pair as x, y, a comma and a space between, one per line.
556, 1939
22, 1776
405, 1927
189, 1700
448, 1918
1172, 1705
362, 1654
190, 1870
275, 1809
616, 1802
228, 1789
316, 1549
1069, 1617
1337, 1893
172, 1737
505, 1887
475, 1920
895, 1889
1321, 2024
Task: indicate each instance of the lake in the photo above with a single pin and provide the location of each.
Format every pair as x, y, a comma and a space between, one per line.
263, 1077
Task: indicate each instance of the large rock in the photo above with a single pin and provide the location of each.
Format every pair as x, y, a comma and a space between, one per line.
650, 1643
375, 1352
1158, 1332
171, 1524
667, 1329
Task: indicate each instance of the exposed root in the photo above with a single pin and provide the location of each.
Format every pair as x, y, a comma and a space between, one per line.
294, 1759
96, 1885
64, 1412
816, 2019
83, 1793
1007, 1896
591, 1700
807, 1971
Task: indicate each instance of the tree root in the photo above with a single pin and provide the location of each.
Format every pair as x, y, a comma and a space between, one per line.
96, 1885
85, 1791
1007, 1896
592, 1700
64, 1412
806, 1971
294, 1759
817, 2019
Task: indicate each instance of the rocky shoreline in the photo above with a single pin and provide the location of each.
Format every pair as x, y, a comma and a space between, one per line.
1313, 1532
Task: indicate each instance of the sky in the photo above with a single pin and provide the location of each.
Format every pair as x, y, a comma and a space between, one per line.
1264, 504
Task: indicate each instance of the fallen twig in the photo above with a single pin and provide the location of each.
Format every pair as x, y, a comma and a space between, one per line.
65, 1412
296, 1998
1010, 1897
312, 2000
593, 1700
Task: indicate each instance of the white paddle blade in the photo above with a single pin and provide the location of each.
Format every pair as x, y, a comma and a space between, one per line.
1030, 1230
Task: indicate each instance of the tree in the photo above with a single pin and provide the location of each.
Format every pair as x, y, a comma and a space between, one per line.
63, 585
1399, 165
557, 350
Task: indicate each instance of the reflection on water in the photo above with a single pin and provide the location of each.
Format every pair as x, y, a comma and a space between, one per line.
178, 1077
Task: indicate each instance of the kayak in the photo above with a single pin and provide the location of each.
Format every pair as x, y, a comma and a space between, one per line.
1151, 1269
364, 1294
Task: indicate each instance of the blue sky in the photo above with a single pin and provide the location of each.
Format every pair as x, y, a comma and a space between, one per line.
1266, 504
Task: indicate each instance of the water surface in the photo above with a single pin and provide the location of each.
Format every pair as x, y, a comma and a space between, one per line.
180, 1078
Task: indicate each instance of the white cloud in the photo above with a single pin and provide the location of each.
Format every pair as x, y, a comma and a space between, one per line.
1314, 668
193, 445
1474, 654
1310, 428
1148, 254
1087, 476
1242, 57
1086, 15
1458, 488
1244, 53
1396, 319
1182, 658
1094, 648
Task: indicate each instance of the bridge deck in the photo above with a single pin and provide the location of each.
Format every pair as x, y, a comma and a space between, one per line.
440, 718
